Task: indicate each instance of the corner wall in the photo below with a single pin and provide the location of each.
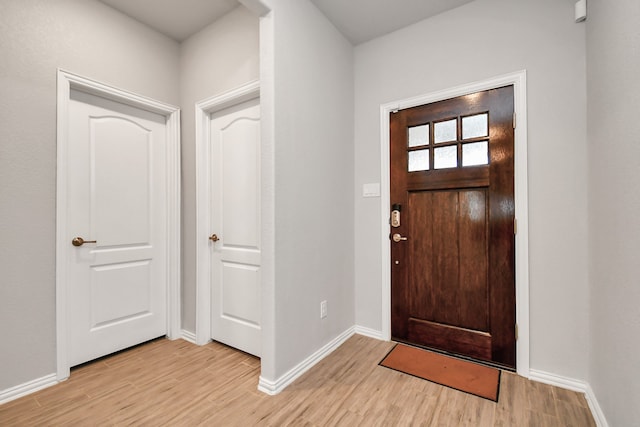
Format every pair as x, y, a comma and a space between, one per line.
483, 39
37, 37
313, 154
613, 67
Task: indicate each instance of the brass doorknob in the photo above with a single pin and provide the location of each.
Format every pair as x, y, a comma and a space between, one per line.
214, 237
397, 237
79, 241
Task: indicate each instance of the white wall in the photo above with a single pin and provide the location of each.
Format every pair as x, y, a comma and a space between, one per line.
313, 153
482, 39
221, 57
37, 37
613, 67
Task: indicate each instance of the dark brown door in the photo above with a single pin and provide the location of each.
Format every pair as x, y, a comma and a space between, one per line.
452, 279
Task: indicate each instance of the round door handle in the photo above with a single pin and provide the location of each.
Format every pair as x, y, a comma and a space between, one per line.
214, 237
79, 241
397, 237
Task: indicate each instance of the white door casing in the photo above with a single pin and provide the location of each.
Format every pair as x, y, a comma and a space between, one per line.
118, 185
229, 205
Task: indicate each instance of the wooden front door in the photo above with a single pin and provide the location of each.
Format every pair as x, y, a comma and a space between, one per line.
452, 239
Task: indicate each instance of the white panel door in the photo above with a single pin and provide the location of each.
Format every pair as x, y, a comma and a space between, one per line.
117, 286
235, 221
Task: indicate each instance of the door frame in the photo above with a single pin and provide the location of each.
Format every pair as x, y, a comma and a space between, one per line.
66, 82
519, 81
204, 109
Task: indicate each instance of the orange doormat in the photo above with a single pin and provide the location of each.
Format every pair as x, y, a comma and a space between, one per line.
469, 377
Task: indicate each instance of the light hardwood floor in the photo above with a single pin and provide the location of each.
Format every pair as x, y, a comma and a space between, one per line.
175, 383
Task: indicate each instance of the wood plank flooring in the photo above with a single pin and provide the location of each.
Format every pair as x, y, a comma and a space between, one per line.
176, 383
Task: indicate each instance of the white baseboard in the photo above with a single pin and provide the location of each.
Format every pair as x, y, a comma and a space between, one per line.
368, 332
27, 388
275, 387
188, 336
596, 410
575, 385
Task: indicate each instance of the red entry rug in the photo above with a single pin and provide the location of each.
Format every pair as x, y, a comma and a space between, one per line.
469, 377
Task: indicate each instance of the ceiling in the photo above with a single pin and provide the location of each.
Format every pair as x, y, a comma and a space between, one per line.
363, 20
177, 19
358, 20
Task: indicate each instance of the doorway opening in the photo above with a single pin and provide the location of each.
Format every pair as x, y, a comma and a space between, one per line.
518, 81
94, 120
452, 248
228, 190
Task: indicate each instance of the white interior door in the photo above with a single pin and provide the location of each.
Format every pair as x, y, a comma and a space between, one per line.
235, 221
117, 186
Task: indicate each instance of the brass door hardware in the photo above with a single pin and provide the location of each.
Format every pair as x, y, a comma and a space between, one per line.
79, 241
397, 237
214, 237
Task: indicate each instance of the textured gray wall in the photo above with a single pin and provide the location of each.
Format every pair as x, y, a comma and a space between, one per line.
36, 37
313, 154
613, 67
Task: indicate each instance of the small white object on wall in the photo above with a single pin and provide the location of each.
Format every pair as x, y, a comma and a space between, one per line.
581, 10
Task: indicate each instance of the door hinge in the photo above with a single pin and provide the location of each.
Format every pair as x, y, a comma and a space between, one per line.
516, 332
514, 120
515, 225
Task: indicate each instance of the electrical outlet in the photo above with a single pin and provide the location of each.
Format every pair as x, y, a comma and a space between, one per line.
323, 309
